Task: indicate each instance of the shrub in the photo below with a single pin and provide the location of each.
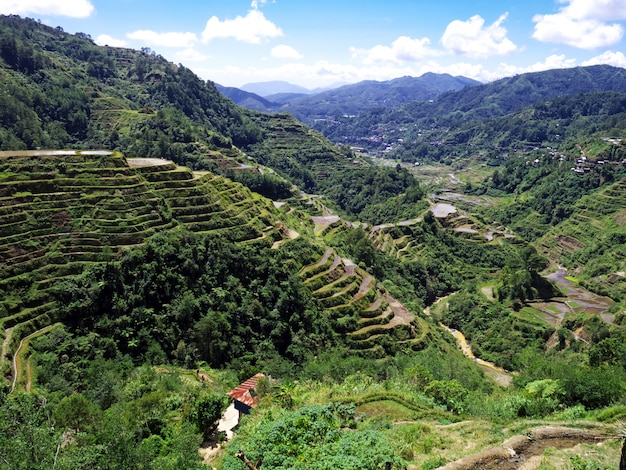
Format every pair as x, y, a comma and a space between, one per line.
449, 393
612, 413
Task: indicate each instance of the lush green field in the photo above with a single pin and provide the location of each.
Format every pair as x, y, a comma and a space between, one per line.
136, 292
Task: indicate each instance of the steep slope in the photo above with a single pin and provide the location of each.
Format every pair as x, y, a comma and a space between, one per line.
69, 90
353, 99
59, 90
63, 211
350, 99
507, 95
590, 122
67, 215
375, 323
591, 243
247, 99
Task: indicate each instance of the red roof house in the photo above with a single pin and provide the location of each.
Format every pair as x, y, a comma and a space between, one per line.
245, 395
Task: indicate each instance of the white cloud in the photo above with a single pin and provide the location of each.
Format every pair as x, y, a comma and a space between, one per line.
106, 40
252, 28
482, 74
283, 51
71, 8
402, 50
164, 39
616, 59
582, 24
601, 10
473, 39
554, 61
190, 55
324, 73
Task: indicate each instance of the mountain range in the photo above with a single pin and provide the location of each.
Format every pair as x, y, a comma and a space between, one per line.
266, 89
406, 115
350, 99
161, 245
421, 129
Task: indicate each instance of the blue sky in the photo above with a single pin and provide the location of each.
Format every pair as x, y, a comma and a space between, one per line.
317, 43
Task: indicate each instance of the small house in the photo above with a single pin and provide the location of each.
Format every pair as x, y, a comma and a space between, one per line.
245, 395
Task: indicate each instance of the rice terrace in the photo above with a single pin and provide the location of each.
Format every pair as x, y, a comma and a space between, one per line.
418, 273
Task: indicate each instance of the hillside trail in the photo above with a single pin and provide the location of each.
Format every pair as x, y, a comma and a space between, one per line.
18, 358
401, 314
364, 287
8, 333
290, 235
524, 452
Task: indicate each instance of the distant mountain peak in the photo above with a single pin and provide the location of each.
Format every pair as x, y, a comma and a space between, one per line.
273, 87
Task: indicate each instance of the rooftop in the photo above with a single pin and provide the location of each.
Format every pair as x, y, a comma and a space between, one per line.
244, 392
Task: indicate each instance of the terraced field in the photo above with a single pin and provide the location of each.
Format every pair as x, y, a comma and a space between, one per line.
290, 145
374, 322
61, 211
597, 227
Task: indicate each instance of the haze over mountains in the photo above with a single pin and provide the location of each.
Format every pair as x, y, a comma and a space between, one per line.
160, 245
347, 99
266, 89
408, 114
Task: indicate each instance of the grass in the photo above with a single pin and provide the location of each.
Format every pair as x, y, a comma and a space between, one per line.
532, 315
603, 455
387, 409
22, 378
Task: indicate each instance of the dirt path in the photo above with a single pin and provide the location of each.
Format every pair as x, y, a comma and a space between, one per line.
322, 261
18, 368
521, 451
291, 235
402, 315
8, 333
364, 288
29, 375
229, 420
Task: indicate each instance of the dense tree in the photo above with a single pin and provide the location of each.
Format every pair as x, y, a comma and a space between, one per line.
207, 411
75, 412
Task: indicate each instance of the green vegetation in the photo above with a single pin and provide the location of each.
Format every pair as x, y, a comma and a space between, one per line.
143, 106
135, 293
314, 437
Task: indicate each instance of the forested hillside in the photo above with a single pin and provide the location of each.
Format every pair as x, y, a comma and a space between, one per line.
160, 245
351, 99
490, 118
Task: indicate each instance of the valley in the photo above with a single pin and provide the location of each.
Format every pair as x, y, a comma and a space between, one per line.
160, 246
